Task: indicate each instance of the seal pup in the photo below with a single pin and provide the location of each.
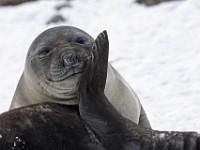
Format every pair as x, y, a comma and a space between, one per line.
92, 124
53, 68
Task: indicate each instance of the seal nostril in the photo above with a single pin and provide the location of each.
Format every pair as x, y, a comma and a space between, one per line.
77, 58
71, 59
67, 62
74, 60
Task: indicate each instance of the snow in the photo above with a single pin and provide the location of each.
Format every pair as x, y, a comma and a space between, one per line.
156, 49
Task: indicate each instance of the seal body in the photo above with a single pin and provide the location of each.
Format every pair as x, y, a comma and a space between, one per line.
54, 65
123, 98
46, 127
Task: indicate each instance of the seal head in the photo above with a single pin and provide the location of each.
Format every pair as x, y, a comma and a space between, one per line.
54, 64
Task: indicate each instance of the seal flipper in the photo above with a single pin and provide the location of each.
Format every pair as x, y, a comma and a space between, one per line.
101, 51
94, 107
95, 72
94, 76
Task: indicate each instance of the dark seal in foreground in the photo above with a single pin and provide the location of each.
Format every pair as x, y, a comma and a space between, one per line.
114, 131
54, 65
92, 125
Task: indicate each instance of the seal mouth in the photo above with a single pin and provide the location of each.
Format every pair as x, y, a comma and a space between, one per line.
60, 73
63, 87
73, 74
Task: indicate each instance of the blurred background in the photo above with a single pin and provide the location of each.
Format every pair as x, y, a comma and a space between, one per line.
154, 44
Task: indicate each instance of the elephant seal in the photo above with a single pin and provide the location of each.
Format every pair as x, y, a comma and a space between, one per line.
92, 124
53, 67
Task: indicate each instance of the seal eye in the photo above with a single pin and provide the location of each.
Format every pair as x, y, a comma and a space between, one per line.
81, 40
43, 53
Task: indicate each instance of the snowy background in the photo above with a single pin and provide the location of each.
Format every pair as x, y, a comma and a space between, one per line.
156, 49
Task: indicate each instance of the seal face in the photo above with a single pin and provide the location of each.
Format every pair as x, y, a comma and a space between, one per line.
57, 61
54, 64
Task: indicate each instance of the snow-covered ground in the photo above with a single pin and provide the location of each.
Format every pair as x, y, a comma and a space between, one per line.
156, 49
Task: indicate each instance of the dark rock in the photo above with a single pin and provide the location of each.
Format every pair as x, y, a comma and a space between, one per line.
59, 7
152, 2
13, 2
56, 19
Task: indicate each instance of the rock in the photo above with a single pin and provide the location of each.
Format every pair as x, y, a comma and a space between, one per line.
13, 2
59, 7
152, 2
56, 19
